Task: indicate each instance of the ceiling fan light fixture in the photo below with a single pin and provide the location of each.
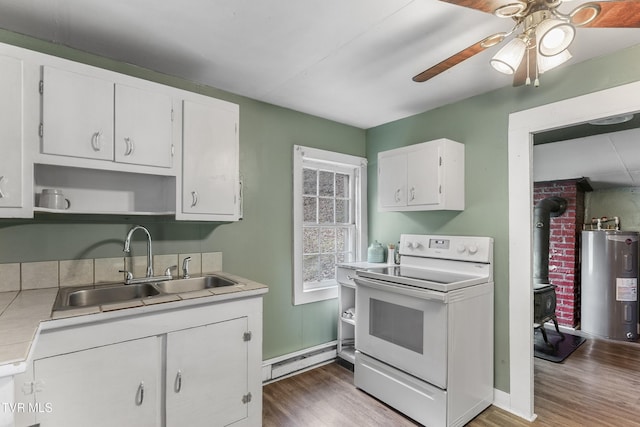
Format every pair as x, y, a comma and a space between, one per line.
554, 36
510, 10
546, 63
509, 57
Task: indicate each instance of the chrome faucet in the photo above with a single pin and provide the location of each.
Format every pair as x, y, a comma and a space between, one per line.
185, 267
127, 247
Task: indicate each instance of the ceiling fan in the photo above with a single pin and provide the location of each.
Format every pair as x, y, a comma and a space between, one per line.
543, 34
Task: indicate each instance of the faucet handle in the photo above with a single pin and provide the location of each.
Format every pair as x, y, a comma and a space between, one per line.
167, 272
128, 276
185, 267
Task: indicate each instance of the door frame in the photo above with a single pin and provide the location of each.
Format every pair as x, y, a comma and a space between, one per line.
522, 125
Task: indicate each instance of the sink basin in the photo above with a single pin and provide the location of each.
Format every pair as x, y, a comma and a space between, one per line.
194, 284
69, 298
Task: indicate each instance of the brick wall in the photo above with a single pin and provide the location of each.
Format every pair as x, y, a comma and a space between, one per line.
564, 244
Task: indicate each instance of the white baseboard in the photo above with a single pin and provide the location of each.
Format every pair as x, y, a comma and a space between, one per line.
502, 400
297, 362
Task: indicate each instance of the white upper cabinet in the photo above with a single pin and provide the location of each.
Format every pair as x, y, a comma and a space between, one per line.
210, 168
77, 115
392, 179
11, 123
81, 114
112, 143
426, 176
143, 127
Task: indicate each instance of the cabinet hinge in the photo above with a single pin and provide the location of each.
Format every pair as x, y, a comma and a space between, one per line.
41, 130
440, 161
41, 87
440, 189
247, 336
246, 398
173, 150
32, 387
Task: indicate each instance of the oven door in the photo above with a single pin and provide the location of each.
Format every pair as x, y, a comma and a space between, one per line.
403, 326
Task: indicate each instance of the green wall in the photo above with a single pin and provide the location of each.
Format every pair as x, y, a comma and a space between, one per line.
623, 202
259, 247
481, 123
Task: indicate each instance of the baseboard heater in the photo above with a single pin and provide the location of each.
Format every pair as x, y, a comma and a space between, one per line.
298, 362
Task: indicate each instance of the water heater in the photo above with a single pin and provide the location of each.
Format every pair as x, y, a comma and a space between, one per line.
610, 284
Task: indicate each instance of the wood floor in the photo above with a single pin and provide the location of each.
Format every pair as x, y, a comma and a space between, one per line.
598, 385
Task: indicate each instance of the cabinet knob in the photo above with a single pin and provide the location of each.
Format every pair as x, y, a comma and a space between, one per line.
130, 146
2, 196
194, 198
95, 141
140, 394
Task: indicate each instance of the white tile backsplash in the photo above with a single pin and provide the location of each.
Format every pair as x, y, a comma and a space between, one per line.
39, 275
10, 277
107, 270
52, 274
162, 262
211, 262
77, 272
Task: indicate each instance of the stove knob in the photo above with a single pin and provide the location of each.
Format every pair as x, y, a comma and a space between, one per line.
461, 248
416, 245
473, 249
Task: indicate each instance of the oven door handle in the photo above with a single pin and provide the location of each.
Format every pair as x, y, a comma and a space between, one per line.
425, 294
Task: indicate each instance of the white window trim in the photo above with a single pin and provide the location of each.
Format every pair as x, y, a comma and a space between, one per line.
300, 153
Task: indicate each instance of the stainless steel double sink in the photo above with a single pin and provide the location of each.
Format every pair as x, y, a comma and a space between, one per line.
69, 298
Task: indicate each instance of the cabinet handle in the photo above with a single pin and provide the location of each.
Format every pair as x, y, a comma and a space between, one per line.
397, 195
178, 385
412, 193
130, 146
2, 196
95, 141
194, 198
140, 397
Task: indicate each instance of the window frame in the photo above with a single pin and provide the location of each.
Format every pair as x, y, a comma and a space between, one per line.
314, 157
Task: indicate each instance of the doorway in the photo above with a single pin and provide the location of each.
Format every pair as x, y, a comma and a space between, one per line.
522, 125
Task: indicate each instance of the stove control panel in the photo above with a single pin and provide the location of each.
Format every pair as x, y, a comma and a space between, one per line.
462, 248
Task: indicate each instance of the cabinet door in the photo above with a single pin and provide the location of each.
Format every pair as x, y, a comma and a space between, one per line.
423, 175
210, 160
10, 132
143, 127
206, 380
392, 180
77, 115
115, 385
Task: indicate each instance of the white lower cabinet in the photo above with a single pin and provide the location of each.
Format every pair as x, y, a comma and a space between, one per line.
113, 385
207, 375
347, 318
198, 366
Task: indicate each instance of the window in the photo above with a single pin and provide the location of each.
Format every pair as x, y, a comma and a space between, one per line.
329, 219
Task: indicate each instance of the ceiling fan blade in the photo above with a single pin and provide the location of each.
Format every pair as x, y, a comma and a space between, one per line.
457, 58
613, 14
488, 6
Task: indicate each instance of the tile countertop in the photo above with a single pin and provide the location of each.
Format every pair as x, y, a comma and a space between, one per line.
24, 313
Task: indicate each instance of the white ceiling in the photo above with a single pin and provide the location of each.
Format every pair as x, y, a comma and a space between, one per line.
346, 60
607, 160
